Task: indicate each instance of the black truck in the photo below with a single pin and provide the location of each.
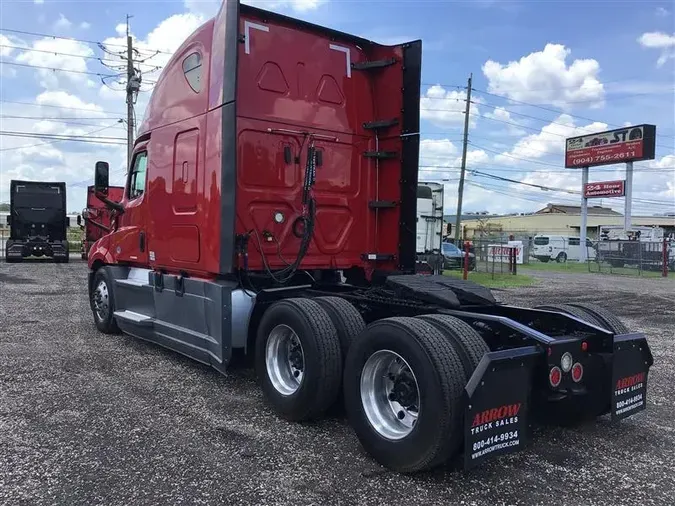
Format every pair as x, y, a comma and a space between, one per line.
37, 221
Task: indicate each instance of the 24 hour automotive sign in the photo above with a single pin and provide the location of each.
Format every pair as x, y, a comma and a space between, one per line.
627, 144
605, 189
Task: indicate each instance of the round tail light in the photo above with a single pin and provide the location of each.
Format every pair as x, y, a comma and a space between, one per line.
577, 372
555, 376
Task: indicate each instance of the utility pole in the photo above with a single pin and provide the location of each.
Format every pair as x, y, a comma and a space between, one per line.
460, 192
130, 96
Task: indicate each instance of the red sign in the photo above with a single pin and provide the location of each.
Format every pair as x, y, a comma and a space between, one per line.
615, 146
605, 189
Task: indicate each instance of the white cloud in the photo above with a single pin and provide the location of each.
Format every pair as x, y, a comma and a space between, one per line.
661, 12
63, 23
503, 116
445, 108
50, 57
77, 106
85, 26
5, 51
545, 77
662, 41
38, 2
550, 141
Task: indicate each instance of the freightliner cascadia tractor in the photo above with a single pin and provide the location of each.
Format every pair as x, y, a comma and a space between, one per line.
37, 221
270, 210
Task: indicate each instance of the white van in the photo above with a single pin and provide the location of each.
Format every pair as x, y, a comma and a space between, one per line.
560, 248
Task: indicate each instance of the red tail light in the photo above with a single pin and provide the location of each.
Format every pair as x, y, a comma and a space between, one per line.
584, 346
555, 376
577, 372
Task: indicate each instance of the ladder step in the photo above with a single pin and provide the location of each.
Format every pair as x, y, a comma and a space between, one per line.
383, 123
382, 155
133, 317
378, 257
375, 64
382, 204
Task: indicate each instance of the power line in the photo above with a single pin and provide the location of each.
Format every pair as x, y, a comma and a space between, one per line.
557, 111
4, 62
80, 138
103, 61
61, 107
84, 41
65, 121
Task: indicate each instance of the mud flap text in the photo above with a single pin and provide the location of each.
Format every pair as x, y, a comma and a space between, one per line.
498, 396
630, 367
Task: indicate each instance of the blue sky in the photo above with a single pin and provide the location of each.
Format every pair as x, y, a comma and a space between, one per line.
586, 66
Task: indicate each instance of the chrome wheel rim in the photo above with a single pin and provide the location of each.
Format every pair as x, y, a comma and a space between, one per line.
390, 395
101, 301
284, 360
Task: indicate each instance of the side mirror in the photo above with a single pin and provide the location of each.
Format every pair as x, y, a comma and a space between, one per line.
101, 177
9, 220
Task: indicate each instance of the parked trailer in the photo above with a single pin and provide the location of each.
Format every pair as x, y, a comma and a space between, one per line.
258, 183
429, 227
37, 221
98, 217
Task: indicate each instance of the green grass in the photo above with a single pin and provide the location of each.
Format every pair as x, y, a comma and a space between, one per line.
592, 268
499, 281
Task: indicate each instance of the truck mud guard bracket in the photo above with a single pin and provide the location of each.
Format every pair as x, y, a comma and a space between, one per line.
497, 400
630, 368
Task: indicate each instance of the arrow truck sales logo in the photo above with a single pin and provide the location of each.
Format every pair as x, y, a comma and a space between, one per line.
495, 417
615, 146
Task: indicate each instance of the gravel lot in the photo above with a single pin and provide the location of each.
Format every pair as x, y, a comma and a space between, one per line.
93, 419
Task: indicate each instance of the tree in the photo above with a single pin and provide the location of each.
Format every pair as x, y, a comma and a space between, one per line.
4, 206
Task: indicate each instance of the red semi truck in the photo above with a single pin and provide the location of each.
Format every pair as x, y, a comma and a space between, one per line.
270, 209
98, 217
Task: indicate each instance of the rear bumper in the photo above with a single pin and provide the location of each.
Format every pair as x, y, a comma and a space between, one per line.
17, 249
507, 390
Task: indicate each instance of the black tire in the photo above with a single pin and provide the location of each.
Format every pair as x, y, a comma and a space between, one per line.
322, 371
561, 258
544, 260
605, 318
572, 311
104, 320
439, 373
468, 343
346, 318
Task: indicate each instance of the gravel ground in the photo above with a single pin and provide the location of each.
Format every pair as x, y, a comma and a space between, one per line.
93, 419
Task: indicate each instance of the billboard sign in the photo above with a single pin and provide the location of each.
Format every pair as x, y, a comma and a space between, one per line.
501, 253
629, 144
605, 189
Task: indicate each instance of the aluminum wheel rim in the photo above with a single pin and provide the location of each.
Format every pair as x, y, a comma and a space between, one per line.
389, 417
284, 360
102, 301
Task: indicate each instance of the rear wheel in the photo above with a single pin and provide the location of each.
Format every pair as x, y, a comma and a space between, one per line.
347, 320
403, 386
298, 359
572, 311
561, 258
467, 342
103, 303
605, 318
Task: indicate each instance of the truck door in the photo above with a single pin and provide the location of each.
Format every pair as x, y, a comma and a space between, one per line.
132, 241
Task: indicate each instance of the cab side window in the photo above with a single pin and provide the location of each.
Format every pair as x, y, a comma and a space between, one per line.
574, 241
192, 68
138, 175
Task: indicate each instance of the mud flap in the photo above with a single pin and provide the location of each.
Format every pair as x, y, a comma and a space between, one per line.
497, 402
630, 367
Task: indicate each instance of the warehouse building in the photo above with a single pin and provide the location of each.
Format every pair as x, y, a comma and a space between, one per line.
555, 219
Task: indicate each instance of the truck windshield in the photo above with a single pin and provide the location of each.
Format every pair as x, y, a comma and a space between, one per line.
540, 241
